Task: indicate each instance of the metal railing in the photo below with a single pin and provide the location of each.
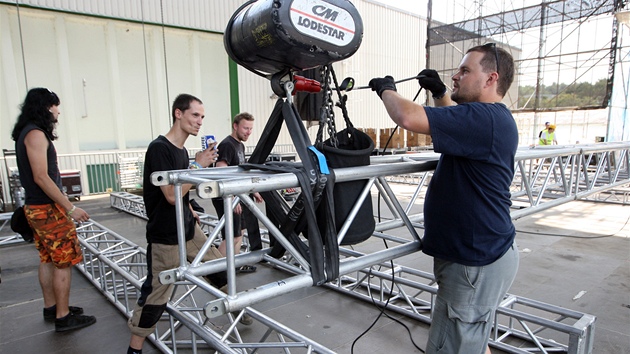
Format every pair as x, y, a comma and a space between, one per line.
104, 172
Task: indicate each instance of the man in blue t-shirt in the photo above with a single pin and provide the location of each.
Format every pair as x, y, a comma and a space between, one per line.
468, 228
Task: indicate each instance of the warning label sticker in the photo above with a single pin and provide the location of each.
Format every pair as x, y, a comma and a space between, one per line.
323, 21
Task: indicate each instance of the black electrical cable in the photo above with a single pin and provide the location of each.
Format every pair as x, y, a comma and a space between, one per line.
384, 307
382, 312
394, 130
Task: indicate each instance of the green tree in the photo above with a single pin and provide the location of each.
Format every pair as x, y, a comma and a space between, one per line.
559, 95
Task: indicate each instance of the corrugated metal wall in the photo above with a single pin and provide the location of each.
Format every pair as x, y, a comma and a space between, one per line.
115, 79
196, 14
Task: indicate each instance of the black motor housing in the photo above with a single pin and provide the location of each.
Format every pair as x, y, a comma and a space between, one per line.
271, 36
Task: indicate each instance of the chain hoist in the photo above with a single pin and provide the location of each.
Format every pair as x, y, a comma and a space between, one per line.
327, 114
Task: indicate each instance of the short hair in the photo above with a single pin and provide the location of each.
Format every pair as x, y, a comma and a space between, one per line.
182, 102
494, 55
244, 115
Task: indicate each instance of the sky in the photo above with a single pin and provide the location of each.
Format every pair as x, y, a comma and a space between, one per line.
592, 35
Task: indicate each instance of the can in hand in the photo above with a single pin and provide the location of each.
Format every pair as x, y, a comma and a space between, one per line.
207, 140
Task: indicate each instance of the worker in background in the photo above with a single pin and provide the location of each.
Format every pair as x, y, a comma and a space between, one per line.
548, 137
544, 130
232, 153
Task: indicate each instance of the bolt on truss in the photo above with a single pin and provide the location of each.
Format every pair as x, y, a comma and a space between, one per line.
544, 177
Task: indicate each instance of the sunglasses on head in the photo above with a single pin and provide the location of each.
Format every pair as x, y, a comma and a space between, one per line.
496, 52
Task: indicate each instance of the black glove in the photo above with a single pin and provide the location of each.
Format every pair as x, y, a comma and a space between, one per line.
430, 80
382, 84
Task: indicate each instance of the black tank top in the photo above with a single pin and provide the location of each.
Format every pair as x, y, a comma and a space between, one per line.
34, 194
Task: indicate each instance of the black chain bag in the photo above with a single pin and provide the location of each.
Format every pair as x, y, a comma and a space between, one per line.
20, 225
354, 148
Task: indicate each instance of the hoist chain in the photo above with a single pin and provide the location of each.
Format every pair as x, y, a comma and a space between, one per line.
328, 105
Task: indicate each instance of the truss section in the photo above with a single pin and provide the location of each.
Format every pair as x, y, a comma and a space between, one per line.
129, 203
374, 270
117, 267
545, 178
548, 176
518, 20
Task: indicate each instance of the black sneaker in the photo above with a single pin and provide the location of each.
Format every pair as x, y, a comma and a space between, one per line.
50, 314
73, 321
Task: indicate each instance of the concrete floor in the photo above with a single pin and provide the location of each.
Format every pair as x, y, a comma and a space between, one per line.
576, 248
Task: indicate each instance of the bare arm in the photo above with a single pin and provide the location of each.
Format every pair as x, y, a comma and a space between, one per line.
404, 112
409, 115
36, 146
202, 158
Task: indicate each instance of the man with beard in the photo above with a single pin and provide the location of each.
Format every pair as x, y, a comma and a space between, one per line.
468, 229
232, 153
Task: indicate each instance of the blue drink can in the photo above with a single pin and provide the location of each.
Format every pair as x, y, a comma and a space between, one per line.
207, 140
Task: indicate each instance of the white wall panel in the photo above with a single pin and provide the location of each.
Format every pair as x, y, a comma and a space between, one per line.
207, 15
393, 44
114, 93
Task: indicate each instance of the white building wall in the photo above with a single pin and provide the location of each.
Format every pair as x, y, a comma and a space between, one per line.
206, 15
393, 44
114, 78
108, 63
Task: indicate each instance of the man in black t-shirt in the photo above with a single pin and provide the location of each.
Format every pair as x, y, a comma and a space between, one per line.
165, 153
232, 153
47, 209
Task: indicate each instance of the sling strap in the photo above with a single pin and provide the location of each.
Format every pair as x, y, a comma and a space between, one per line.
322, 249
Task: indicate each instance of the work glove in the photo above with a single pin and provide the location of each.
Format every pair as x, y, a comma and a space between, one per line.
382, 84
430, 81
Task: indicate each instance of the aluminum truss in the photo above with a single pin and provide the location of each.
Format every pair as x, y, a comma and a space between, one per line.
544, 178
117, 268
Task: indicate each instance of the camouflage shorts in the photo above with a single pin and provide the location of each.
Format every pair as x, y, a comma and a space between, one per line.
55, 235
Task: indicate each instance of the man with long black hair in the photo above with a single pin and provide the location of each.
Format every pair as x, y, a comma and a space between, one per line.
48, 211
